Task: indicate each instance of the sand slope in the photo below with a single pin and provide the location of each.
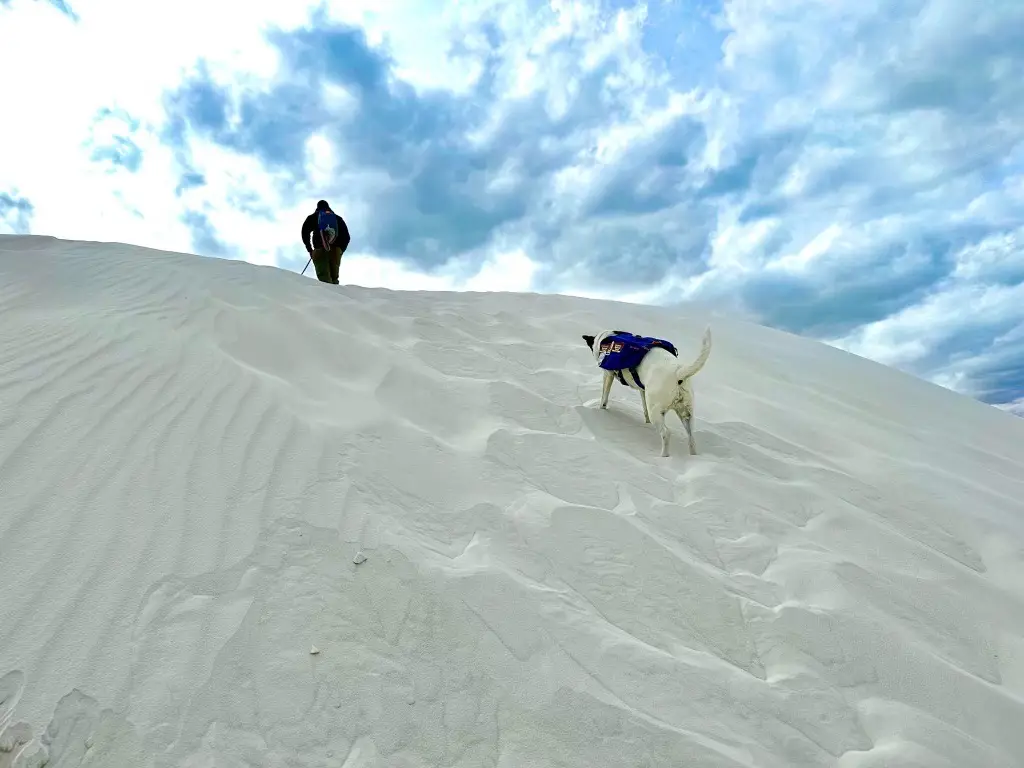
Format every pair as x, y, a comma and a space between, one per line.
193, 451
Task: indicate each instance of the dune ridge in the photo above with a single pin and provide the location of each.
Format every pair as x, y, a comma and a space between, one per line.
193, 452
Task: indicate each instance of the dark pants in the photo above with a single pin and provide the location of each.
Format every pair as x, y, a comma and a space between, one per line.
327, 263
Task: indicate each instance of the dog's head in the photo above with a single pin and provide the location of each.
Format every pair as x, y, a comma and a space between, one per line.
594, 341
591, 339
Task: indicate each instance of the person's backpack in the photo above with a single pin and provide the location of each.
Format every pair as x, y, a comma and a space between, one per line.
327, 226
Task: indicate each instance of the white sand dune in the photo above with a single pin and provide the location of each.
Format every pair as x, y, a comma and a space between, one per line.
193, 452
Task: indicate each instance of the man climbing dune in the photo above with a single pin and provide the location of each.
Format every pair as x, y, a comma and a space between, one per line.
326, 237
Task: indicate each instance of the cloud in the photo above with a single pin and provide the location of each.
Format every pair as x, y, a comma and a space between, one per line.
892, 224
111, 142
205, 240
15, 212
1016, 407
452, 175
852, 171
60, 5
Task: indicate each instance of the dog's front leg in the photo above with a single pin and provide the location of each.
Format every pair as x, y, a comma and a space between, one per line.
643, 399
606, 387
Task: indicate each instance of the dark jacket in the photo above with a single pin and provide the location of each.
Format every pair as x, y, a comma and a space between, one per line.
309, 232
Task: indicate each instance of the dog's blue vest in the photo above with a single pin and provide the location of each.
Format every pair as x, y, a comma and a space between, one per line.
625, 351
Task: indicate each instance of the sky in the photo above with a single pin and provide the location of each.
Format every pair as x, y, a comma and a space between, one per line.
847, 170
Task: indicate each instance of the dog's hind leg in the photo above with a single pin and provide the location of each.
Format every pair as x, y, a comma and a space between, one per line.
606, 387
643, 399
659, 422
687, 422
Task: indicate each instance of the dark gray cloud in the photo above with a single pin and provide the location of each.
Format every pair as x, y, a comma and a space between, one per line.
205, 240
898, 128
16, 212
440, 198
974, 338
905, 122
249, 202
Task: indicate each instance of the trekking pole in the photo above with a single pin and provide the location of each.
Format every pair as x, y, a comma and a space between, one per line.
307, 265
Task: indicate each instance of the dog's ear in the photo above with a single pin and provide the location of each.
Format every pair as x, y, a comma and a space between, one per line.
589, 340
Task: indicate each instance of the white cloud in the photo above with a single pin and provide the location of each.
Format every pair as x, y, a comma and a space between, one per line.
1016, 407
503, 272
373, 272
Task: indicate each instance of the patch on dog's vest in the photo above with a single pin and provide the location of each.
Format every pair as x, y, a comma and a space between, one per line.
625, 351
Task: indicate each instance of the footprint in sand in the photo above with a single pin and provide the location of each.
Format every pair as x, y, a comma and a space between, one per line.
13, 736
11, 686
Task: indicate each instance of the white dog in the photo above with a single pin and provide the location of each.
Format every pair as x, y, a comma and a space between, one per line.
650, 365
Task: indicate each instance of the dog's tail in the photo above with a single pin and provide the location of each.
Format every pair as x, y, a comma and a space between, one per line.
693, 368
